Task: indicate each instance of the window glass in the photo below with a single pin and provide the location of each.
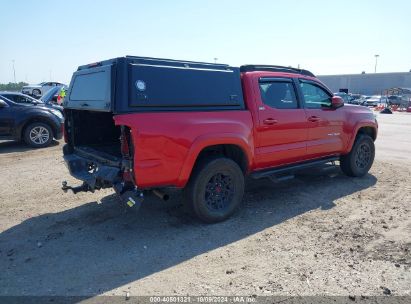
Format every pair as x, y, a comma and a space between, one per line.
20, 99
314, 96
90, 86
10, 97
278, 94
26, 99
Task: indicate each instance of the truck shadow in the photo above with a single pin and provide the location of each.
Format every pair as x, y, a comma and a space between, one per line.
94, 248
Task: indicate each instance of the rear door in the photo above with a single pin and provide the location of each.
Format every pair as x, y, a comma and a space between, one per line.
282, 124
325, 124
90, 89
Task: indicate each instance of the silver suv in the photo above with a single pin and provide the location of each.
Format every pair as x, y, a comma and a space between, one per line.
38, 90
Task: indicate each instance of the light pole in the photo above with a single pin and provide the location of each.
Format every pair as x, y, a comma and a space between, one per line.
14, 72
376, 60
215, 60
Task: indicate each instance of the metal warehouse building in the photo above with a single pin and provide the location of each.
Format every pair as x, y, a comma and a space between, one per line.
367, 84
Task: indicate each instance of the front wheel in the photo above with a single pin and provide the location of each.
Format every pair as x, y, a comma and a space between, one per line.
361, 157
215, 189
38, 135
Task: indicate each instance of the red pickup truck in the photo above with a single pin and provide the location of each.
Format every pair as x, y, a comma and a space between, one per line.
141, 125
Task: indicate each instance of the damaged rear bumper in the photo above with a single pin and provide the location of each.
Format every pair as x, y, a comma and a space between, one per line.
98, 172
95, 171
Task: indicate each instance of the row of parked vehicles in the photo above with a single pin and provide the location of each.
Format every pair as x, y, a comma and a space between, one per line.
33, 116
372, 101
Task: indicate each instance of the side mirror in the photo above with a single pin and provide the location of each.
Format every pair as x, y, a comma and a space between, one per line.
3, 104
337, 102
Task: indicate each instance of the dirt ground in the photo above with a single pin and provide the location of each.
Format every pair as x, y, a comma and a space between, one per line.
319, 234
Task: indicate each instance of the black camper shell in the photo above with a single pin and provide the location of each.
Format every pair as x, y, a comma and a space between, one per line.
135, 84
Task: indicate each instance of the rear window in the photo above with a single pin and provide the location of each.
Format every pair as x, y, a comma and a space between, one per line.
91, 86
90, 89
278, 94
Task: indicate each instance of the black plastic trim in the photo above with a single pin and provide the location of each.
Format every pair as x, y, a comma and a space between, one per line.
274, 68
293, 168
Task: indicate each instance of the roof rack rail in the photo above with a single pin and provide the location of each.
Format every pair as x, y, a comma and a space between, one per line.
165, 61
274, 68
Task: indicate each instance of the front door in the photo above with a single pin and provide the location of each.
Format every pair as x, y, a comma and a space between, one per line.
282, 124
325, 131
6, 120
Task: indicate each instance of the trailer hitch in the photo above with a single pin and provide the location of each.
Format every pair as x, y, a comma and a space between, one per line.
82, 188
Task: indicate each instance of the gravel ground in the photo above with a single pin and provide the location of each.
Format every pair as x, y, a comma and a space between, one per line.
319, 234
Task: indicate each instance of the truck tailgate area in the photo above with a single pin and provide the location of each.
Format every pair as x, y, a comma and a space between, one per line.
94, 133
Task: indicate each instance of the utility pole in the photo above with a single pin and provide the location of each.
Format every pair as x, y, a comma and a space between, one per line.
14, 72
376, 61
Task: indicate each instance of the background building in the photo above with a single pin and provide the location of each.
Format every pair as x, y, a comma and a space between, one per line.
367, 84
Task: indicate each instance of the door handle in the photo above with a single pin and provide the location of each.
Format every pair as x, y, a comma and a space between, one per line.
270, 121
313, 118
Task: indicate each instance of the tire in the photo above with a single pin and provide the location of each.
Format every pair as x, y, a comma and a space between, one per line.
215, 189
38, 135
358, 162
36, 92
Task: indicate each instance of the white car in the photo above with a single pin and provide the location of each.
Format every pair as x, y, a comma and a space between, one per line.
375, 100
38, 90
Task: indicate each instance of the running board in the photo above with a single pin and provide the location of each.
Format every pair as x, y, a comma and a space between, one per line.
287, 172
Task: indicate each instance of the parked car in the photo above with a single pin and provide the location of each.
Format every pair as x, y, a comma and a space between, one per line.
395, 100
49, 98
204, 127
23, 98
59, 93
373, 101
363, 99
38, 90
344, 96
356, 98
34, 124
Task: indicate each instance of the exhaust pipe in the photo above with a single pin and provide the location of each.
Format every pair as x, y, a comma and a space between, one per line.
160, 194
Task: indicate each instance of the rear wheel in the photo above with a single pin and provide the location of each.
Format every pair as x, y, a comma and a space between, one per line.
38, 135
215, 189
361, 157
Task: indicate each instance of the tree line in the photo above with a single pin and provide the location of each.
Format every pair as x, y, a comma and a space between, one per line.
12, 86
